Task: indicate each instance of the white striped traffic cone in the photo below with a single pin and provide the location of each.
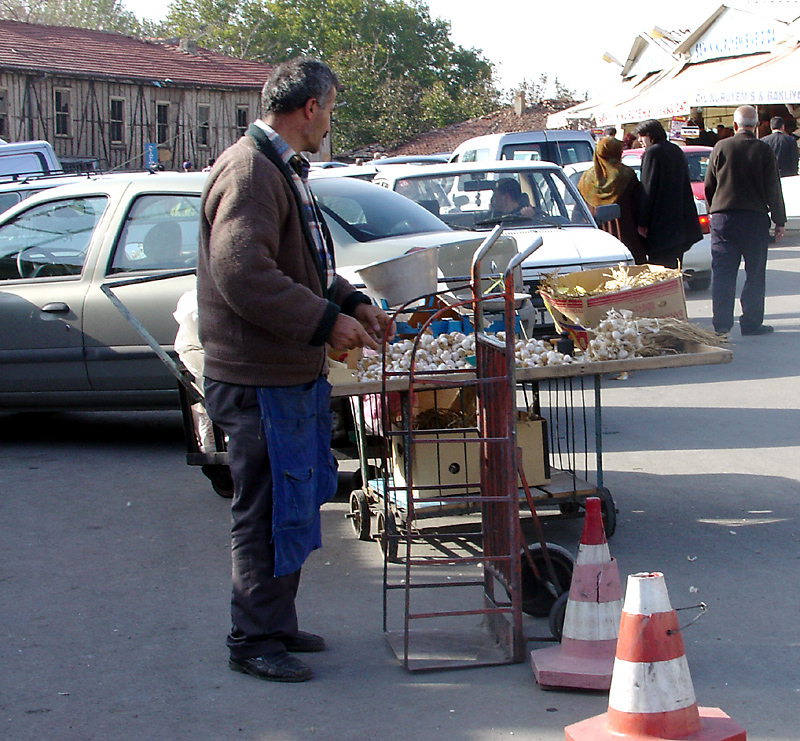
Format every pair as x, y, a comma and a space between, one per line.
651, 691
585, 658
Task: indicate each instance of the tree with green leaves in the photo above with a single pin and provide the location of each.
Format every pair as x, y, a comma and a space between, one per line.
402, 73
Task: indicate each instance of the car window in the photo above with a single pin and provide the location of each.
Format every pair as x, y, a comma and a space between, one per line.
370, 213
50, 239
698, 164
527, 151
7, 200
575, 151
474, 155
159, 233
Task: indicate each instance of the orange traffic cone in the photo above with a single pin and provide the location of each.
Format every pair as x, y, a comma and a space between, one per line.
585, 658
651, 691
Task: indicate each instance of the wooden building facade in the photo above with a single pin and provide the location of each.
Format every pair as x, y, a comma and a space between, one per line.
115, 102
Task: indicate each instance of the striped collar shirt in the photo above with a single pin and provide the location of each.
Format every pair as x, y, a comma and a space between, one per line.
299, 167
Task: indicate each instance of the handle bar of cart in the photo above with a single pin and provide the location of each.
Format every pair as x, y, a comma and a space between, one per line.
185, 378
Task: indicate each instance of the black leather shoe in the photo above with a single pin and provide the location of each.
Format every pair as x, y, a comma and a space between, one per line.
304, 643
763, 329
274, 667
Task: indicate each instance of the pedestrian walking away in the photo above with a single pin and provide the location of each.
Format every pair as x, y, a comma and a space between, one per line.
668, 217
269, 300
784, 146
743, 193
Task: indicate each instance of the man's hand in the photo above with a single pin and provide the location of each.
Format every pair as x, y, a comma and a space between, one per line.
375, 320
348, 333
779, 232
642, 231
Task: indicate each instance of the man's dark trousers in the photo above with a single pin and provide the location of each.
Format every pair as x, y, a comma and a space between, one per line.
736, 235
262, 605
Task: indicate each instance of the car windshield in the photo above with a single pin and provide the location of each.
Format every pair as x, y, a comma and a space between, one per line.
479, 200
368, 212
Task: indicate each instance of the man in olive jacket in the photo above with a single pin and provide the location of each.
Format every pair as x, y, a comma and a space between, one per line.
743, 190
269, 300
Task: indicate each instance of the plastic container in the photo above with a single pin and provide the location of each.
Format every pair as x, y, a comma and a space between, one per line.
403, 279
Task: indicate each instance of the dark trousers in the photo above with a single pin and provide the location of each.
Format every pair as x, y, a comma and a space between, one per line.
262, 605
736, 235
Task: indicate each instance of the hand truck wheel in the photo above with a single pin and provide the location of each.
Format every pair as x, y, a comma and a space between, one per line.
537, 599
387, 530
609, 511
557, 614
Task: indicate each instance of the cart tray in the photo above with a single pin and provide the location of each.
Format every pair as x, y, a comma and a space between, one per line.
704, 355
446, 649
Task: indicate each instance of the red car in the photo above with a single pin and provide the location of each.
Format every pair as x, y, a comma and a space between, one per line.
696, 158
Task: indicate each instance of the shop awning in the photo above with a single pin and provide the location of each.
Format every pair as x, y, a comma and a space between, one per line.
774, 79
592, 108
675, 93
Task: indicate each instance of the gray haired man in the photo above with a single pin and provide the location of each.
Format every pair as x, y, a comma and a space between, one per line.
743, 192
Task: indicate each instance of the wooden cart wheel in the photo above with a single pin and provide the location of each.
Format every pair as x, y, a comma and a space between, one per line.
537, 599
557, 614
387, 527
609, 511
360, 515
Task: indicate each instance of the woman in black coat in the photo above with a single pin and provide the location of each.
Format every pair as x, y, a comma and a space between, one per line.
668, 217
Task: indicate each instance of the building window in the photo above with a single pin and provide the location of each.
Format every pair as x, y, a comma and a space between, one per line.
62, 109
203, 125
3, 114
162, 123
116, 121
242, 118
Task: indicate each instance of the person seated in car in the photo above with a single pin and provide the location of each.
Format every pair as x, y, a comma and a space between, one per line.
509, 200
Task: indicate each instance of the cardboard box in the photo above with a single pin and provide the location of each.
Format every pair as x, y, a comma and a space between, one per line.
659, 300
343, 367
458, 463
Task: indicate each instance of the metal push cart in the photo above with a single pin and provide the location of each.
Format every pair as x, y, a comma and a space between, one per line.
464, 514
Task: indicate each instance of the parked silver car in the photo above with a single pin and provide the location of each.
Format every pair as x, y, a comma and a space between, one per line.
65, 345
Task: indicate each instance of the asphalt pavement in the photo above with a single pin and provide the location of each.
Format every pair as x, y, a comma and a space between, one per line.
114, 572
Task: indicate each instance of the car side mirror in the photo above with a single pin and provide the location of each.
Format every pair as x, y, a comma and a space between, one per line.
607, 213
460, 201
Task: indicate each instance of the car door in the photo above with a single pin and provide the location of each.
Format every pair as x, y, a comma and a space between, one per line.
44, 275
156, 234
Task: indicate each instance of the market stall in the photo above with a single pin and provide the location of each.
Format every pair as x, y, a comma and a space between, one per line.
465, 438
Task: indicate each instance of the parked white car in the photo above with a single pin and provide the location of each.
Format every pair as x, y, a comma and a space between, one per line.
696, 263
461, 195
548, 145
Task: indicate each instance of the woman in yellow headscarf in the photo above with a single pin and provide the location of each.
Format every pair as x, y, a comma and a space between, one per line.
609, 181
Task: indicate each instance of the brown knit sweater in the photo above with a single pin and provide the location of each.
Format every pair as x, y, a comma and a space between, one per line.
262, 315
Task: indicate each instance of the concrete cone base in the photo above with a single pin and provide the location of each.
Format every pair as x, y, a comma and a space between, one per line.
714, 726
554, 667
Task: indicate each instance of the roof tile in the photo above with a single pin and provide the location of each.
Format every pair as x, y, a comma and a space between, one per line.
61, 50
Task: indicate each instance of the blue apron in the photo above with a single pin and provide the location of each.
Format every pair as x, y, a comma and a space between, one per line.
297, 422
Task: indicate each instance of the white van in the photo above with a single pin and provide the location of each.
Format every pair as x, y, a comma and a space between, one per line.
549, 145
19, 159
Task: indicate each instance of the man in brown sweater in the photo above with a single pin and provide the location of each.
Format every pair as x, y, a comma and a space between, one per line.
269, 301
743, 193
